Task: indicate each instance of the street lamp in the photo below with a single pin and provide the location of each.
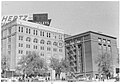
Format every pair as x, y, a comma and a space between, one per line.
25, 71
51, 76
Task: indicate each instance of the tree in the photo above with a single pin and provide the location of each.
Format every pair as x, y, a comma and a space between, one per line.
32, 64
59, 66
104, 62
4, 63
65, 65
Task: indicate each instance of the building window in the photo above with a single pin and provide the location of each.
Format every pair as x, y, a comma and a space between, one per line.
26, 52
55, 36
29, 31
26, 30
104, 46
104, 40
19, 29
42, 47
27, 46
42, 42
40, 33
22, 29
49, 35
108, 41
20, 51
48, 48
34, 47
21, 38
55, 43
99, 40
36, 32
20, 44
55, 49
100, 46
33, 32
48, 42
43, 33
28, 39
109, 47
42, 54
35, 40
60, 37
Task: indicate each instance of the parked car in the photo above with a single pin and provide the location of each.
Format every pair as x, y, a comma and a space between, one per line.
42, 79
71, 79
82, 79
14, 79
117, 78
4, 79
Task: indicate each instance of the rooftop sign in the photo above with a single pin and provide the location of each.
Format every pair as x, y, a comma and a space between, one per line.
9, 18
37, 18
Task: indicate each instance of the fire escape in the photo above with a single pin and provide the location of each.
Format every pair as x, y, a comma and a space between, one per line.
74, 54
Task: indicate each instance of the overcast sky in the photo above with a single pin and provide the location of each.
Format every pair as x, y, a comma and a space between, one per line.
72, 17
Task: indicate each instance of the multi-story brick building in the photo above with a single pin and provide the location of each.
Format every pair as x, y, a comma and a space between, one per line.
21, 38
83, 49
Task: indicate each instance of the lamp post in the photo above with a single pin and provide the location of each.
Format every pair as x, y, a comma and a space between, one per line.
51, 77
25, 71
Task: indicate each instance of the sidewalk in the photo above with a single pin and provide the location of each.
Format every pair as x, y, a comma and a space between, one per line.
110, 80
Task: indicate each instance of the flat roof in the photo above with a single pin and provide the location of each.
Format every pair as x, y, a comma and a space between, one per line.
35, 25
82, 34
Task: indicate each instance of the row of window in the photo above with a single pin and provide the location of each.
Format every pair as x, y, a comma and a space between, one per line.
104, 47
41, 47
35, 32
104, 40
28, 52
41, 42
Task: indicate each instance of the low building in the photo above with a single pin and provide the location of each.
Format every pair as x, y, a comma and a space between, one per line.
83, 49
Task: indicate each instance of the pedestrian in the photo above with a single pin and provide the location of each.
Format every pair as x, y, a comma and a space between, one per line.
101, 77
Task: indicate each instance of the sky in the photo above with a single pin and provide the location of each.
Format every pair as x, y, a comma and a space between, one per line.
73, 17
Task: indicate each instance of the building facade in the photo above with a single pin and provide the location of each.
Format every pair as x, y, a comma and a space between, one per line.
83, 49
20, 38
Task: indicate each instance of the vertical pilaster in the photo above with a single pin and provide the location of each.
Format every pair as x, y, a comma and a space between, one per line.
84, 58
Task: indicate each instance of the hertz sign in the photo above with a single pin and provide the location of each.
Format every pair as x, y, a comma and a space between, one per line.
7, 19
36, 18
